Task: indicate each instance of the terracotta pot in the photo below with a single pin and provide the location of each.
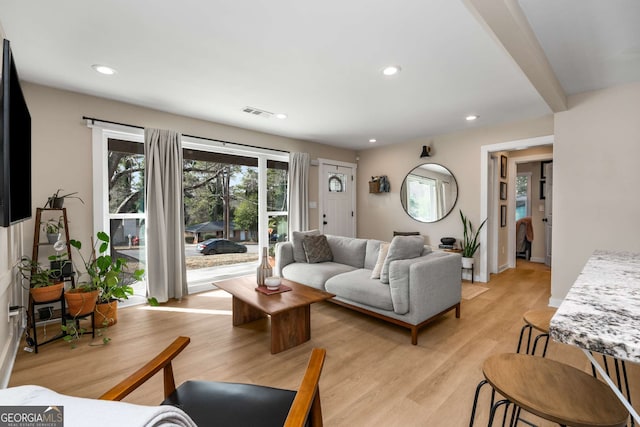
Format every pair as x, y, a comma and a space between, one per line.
105, 311
80, 302
47, 293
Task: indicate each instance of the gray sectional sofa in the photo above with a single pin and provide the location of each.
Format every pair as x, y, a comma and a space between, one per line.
418, 289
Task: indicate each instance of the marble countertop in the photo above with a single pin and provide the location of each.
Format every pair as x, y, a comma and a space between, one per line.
601, 312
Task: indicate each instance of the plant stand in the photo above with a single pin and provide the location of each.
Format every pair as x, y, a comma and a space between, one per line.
31, 313
32, 324
91, 317
469, 268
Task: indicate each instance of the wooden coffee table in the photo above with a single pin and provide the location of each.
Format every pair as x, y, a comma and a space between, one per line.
290, 311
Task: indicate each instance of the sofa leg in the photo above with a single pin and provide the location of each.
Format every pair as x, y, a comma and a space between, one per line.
458, 311
414, 335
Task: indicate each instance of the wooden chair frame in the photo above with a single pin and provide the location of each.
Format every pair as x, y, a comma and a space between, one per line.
305, 406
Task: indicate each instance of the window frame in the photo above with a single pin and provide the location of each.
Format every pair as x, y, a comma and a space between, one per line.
102, 132
529, 177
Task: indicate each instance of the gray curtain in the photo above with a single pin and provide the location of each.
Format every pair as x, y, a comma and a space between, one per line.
298, 192
166, 271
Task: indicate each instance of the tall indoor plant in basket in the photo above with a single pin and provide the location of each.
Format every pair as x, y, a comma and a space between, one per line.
470, 243
110, 276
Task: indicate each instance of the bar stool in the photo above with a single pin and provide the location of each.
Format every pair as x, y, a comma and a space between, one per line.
551, 390
539, 320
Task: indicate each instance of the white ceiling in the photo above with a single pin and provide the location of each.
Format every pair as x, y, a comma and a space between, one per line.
320, 62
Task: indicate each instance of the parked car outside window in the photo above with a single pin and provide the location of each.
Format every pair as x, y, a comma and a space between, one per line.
220, 246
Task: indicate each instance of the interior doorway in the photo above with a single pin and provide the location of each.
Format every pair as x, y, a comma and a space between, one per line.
532, 211
500, 213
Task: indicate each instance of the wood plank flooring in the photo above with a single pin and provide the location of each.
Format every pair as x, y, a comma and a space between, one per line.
372, 376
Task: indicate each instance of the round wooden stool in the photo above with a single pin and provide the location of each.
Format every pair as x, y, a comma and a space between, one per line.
551, 390
539, 320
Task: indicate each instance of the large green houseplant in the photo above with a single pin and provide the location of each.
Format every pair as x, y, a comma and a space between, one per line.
109, 276
470, 243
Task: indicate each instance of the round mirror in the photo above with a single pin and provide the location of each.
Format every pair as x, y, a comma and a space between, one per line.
429, 192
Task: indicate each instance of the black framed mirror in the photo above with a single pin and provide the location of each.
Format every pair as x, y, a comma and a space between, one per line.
429, 192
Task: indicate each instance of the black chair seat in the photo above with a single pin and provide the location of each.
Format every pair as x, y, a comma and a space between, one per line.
230, 404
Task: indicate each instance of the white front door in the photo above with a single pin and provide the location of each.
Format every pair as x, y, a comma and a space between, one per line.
337, 205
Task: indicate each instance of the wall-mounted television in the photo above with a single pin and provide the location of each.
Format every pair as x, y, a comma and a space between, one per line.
15, 145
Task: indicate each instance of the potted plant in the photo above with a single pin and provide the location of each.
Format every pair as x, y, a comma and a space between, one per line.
470, 242
81, 300
109, 276
53, 228
56, 201
44, 284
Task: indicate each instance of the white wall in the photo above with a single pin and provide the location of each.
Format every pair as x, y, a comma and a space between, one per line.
596, 180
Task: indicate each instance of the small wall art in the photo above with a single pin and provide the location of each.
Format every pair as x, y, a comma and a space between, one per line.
503, 166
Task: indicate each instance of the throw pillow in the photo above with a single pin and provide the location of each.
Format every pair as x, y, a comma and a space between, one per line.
317, 249
296, 241
402, 247
382, 255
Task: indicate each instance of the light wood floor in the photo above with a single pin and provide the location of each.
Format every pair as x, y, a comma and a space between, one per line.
373, 376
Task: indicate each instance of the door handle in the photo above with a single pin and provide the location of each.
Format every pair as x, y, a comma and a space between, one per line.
324, 222
544, 219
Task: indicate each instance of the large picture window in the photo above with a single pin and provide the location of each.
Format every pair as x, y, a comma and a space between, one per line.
222, 208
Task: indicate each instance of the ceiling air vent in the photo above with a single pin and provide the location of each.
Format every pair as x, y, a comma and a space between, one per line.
257, 112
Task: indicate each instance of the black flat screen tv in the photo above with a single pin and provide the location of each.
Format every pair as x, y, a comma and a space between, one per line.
15, 145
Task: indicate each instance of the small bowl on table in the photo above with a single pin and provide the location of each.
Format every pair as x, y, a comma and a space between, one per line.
272, 283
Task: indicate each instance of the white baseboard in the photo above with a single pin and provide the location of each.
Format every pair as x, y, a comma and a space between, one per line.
555, 302
9, 352
503, 268
537, 259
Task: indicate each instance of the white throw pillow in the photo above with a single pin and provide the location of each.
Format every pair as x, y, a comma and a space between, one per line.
382, 255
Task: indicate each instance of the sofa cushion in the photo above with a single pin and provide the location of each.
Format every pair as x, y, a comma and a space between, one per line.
298, 250
402, 247
382, 255
348, 250
371, 256
317, 249
358, 286
314, 275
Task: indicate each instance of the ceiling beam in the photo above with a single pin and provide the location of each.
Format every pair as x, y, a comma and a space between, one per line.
505, 21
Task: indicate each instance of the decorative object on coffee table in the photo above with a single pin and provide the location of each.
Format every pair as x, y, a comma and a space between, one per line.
264, 269
272, 282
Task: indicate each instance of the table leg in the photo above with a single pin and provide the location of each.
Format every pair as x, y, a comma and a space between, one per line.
611, 385
290, 328
244, 313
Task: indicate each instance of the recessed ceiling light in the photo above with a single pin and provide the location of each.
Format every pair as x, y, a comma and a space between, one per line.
281, 116
373, 140
471, 117
103, 69
391, 70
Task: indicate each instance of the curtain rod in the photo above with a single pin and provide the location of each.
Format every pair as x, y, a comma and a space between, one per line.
93, 120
